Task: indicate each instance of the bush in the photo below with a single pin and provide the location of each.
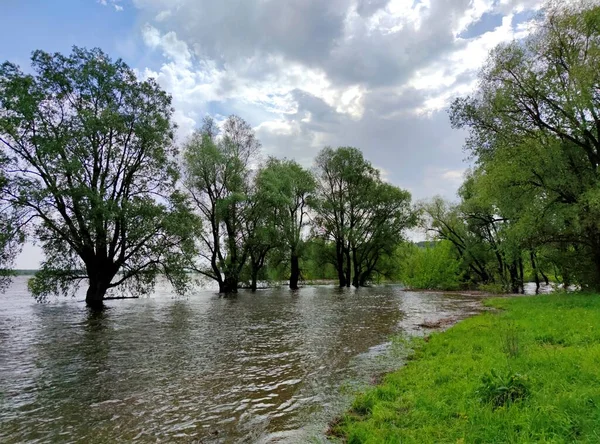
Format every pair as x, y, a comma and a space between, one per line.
434, 267
500, 390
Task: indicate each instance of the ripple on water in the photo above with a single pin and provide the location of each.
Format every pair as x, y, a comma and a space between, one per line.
264, 367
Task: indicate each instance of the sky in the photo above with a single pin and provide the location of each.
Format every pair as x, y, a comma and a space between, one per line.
375, 74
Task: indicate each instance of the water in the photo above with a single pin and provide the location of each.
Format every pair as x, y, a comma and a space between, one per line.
275, 366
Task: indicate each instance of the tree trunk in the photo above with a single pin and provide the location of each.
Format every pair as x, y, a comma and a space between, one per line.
348, 268
295, 271
94, 297
521, 276
535, 272
229, 285
339, 251
544, 277
254, 279
356, 277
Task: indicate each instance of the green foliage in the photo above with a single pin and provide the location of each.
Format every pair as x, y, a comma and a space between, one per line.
363, 216
217, 177
318, 260
91, 156
502, 389
11, 234
437, 396
534, 133
434, 267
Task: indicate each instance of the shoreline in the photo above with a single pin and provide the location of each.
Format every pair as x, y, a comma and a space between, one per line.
505, 374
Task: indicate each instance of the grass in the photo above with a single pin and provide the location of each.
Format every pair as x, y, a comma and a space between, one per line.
528, 372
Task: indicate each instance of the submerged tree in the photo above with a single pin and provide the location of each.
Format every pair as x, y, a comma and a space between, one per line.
363, 216
377, 226
283, 192
91, 161
262, 235
217, 176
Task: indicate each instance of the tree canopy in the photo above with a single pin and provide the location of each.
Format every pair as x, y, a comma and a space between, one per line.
534, 132
91, 161
363, 216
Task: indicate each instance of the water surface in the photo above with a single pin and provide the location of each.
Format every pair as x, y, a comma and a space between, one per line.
274, 366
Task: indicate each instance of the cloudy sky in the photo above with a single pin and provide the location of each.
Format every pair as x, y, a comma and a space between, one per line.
375, 74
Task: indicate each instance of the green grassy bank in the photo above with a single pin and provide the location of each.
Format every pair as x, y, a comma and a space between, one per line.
529, 372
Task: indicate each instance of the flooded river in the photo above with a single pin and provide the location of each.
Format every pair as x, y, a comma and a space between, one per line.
274, 366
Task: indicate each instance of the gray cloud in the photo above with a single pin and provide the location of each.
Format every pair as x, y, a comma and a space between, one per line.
413, 152
373, 46
366, 8
320, 34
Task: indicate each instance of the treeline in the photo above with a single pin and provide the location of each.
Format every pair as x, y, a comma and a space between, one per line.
90, 170
253, 220
530, 207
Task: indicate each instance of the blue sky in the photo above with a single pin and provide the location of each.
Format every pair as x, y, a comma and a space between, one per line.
58, 25
375, 74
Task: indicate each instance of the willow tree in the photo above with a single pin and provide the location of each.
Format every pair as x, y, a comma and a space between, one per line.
11, 234
217, 177
378, 222
283, 191
90, 152
363, 216
534, 123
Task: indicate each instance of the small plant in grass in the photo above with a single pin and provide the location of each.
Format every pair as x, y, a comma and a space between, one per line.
502, 389
363, 404
510, 341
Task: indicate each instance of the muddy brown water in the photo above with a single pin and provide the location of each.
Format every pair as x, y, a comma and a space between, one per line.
274, 366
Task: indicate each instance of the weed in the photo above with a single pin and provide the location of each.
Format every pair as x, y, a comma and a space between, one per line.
549, 339
502, 389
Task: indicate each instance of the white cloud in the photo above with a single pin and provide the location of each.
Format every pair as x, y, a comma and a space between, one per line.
114, 3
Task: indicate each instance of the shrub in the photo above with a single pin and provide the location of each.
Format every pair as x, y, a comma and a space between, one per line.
433, 267
501, 389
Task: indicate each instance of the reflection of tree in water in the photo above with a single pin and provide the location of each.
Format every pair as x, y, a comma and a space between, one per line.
95, 346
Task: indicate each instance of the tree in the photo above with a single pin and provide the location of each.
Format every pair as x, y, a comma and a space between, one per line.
380, 218
534, 125
341, 173
217, 177
11, 235
284, 189
91, 161
262, 234
363, 216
